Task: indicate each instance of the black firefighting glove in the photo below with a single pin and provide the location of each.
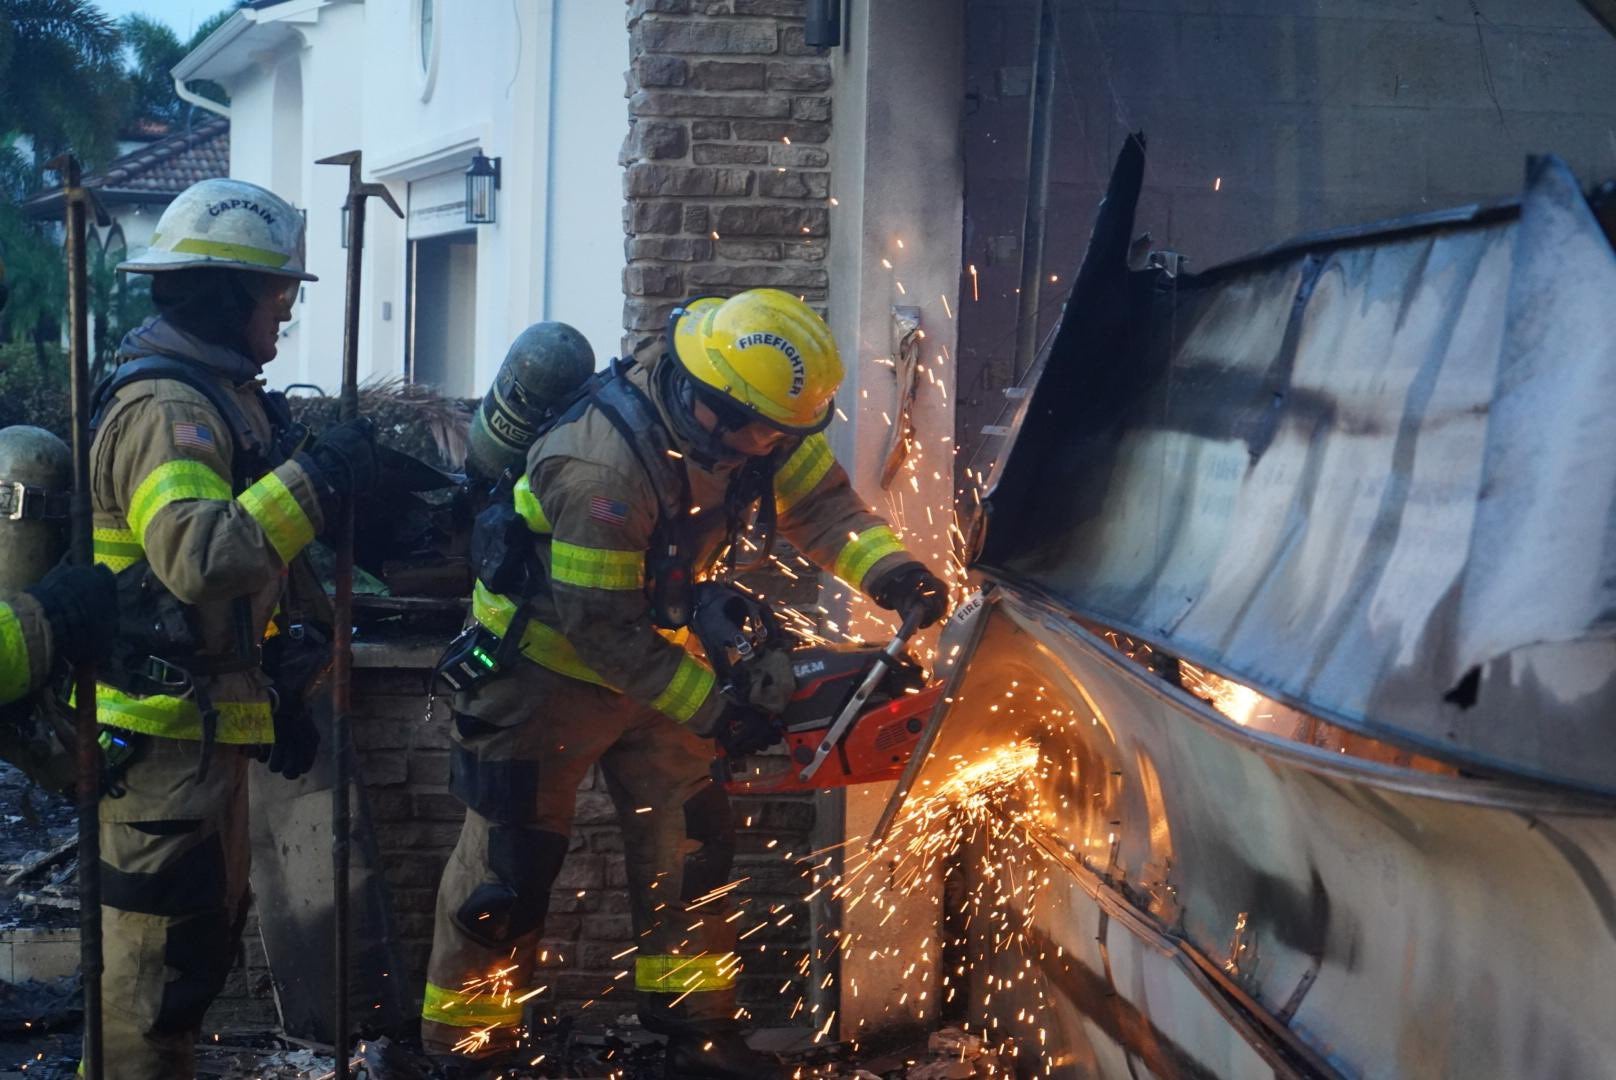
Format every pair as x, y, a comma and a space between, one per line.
910, 585
745, 729
81, 605
296, 740
297, 661
342, 460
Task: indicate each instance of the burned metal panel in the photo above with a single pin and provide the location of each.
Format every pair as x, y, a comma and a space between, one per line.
1604, 11
1372, 474
1244, 896
292, 882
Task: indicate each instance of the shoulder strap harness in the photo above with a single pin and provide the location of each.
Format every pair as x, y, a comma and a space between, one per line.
253, 457
158, 642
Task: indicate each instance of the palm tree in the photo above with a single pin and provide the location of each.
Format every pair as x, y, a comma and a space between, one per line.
154, 50
63, 85
60, 77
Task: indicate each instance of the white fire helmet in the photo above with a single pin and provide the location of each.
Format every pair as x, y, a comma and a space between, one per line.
229, 224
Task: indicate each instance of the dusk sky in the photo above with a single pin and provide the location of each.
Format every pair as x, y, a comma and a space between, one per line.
183, 15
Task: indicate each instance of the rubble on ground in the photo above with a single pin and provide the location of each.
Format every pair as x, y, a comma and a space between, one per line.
623, 1051
31, 1007
38, 855
39, 1020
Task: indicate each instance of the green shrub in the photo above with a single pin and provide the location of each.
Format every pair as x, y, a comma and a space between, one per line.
30, 394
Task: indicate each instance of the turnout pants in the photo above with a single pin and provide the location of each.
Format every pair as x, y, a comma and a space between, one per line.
524, 742
174, 860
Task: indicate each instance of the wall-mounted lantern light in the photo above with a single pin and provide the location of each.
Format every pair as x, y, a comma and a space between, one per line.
482, 181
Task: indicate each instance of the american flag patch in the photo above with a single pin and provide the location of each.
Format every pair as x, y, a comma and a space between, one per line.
609, 511
196, 436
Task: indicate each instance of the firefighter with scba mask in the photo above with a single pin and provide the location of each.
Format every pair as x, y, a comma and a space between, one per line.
204, 493
585, 573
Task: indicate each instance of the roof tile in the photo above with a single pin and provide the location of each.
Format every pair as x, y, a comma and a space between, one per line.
169, 166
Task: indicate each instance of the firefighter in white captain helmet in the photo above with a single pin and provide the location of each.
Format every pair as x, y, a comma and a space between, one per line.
202, 488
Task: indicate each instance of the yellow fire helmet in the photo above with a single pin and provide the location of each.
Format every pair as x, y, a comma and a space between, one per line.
765, 351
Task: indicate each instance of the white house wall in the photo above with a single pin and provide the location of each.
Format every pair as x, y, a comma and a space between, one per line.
287, 110
584, 272
494, 89
138, 221
252, 109
895, 242
330, 124
537, 83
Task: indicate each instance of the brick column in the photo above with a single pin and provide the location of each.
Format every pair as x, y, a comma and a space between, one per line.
726, 164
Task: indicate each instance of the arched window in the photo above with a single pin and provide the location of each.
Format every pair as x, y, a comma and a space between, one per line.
117, 248
428, 32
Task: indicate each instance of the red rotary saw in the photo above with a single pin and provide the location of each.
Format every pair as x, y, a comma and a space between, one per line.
857, 711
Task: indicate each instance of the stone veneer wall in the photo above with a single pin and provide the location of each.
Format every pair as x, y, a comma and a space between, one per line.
726, 164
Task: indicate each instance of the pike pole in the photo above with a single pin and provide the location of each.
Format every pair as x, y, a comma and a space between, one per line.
86, 749
342, 604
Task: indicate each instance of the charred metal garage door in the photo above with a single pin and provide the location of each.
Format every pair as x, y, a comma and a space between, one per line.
1216, 901
1374, 474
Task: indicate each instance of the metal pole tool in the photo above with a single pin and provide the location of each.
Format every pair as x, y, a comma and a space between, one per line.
342, 631
88, 752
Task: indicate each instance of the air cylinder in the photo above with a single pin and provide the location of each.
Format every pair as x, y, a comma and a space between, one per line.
544, 366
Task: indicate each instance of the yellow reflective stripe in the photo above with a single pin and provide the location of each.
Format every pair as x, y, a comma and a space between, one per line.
116, 548
596, 568
541, 644
272, 504
545, 645
240, 722
170, 482
479, 1009
548, 647
684, 974
219, 249
491, 609
14, 669
528, 508
691, 683
863, 551
802, 472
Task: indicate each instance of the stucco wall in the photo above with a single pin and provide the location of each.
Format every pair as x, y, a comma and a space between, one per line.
895, 233
536, 85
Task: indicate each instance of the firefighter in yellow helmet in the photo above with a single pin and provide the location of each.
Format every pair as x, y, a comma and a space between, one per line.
71, 611
204, 495
636, 489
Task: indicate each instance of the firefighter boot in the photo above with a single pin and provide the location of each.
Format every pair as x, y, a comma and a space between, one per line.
721, 1055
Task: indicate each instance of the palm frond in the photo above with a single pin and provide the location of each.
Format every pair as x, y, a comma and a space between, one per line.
408, 416
79, 23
